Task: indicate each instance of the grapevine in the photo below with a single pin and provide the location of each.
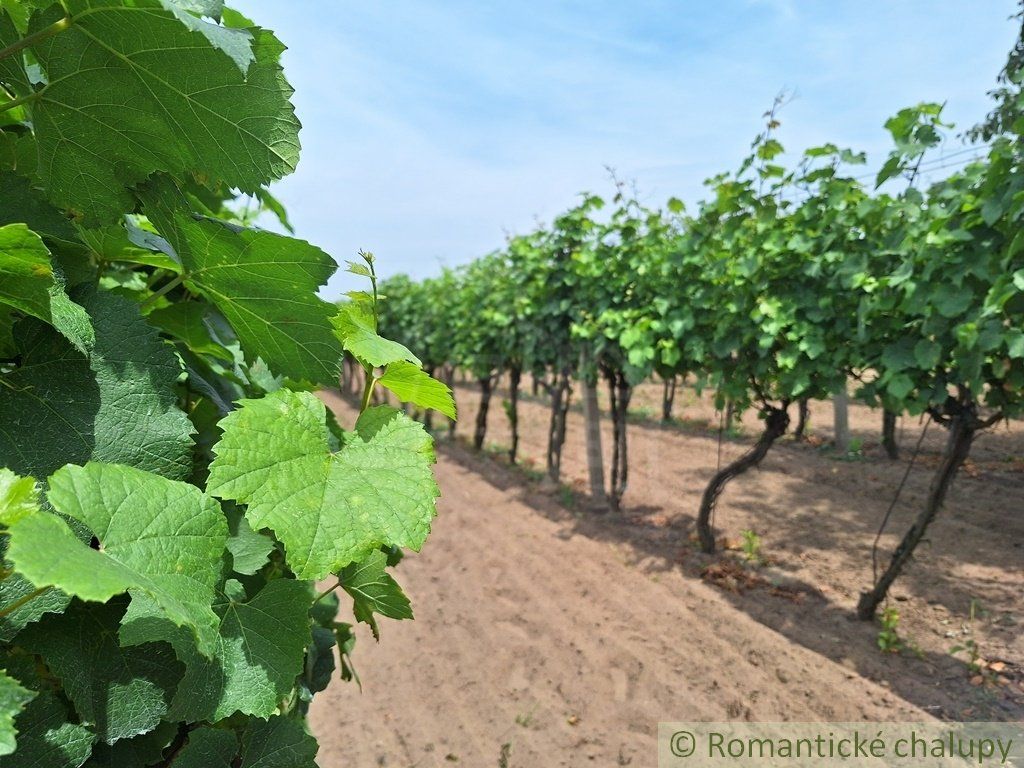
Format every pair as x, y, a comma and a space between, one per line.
179, 511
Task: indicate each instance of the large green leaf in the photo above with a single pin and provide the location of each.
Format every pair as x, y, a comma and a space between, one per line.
28, 285
133, 90
329, 509
279, 742
208, 748
118, 405
261, 651
144, 751
119, 692
21, 203
13, 698
47, 738
264, 284
159, 538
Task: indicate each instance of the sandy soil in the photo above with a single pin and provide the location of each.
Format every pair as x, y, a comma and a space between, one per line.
567, 634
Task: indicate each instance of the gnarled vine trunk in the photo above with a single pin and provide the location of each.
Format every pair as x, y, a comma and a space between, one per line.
963, 425
668, 398
561, 394
775, 425
486, 388
514, 378
619, 392
889, 441
803, 415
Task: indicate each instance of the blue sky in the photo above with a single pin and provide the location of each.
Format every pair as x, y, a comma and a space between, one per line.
434, 128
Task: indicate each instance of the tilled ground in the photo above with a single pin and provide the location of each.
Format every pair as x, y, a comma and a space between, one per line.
567, 634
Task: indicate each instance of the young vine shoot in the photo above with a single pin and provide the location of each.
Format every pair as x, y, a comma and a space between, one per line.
180, 512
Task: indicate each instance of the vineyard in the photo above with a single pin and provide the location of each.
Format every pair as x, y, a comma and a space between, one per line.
784, 287
211, 476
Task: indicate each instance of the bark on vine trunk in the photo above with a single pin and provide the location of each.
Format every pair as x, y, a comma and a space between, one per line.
668, 398
803, 414
561, 393
962, 427
889, 441
514, 378
775, 426
486, 388
619, 392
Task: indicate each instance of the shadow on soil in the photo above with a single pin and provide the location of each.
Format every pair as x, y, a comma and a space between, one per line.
938, 683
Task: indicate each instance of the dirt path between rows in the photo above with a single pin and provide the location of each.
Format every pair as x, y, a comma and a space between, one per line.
569, 636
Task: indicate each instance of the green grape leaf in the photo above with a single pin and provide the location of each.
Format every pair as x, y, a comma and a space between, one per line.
23, 604
412, 384
119, 692
249, 550
899, 355
279, 742
208, 748
12, 70
236, 43
346, 640
13, 698
260, 653
123, 101
899, 386
328, 509
142, 751
21, 203
46, 739
186, 321
319, 662
355, 326
20, 601
28, 284
373, 590
18, 497
927, 354
128, 243
272, 204
118, 405
951, 300
264, 284
157, 537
